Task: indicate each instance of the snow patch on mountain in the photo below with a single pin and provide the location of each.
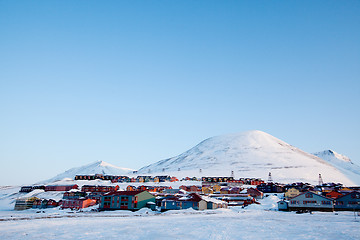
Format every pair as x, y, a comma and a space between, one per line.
249, 154
98, 167
332, 156
341, 162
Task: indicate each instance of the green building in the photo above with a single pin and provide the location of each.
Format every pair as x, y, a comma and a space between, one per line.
126, 200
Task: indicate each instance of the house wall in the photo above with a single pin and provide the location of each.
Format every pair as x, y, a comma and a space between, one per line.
143, 198
170, 205
121, 202
24, 203
216, 188
131, 202
349, 202
311, 201
292, 192
60, 188
87, 203
283, 206
189, 204
203, 205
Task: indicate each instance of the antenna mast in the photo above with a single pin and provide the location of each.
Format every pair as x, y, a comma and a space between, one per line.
321, 182
270, 178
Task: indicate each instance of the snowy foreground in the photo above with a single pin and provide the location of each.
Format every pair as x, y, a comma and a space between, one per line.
253, 222
234, 223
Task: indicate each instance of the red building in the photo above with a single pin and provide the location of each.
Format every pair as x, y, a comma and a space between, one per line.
131, 188
45, 203
93, 188
255, 193
60, 187
256, 182
333, 194
174, 179
77, 203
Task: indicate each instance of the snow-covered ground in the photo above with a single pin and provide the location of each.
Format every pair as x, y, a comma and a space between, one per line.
253, 222
233, 223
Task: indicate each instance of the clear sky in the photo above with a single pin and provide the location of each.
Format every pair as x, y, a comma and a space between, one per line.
134, 82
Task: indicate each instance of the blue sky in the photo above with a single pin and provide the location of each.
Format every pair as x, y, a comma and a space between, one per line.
134, 82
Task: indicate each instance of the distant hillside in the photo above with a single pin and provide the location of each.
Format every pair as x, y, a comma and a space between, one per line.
250, 154
341, 162
99, 167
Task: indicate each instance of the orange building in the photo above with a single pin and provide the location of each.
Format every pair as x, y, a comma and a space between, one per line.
77, 203
333, 194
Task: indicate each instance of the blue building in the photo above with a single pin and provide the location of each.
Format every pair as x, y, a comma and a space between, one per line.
348, 202
193, 201
311, 201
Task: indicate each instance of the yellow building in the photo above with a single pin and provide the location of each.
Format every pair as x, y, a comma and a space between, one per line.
207, 190
216, 188
24, 203
292, 192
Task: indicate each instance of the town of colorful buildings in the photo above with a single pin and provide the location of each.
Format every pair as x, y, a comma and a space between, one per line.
208, 193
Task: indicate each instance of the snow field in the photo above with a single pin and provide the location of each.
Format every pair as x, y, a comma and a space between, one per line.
233, 223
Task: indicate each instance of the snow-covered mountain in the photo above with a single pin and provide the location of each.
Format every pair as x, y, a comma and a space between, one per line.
333, 157
250, 154
98, 167
341, 162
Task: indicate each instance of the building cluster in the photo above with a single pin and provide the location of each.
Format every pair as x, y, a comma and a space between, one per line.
210, 193
326, 197
231, 180
111, 198
121, 179
167, 178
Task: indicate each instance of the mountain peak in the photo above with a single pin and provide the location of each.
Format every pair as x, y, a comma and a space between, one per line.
103, 163
331, 155
98, 167
248, 154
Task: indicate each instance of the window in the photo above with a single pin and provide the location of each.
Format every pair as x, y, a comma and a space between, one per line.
294, 202
355, 195
325, 202
309, 195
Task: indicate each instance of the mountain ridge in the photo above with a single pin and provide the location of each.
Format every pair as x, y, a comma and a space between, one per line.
250, 154
341, 162
97, 167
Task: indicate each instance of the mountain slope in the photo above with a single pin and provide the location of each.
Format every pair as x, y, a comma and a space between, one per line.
249, 154
98, 167
341, 162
